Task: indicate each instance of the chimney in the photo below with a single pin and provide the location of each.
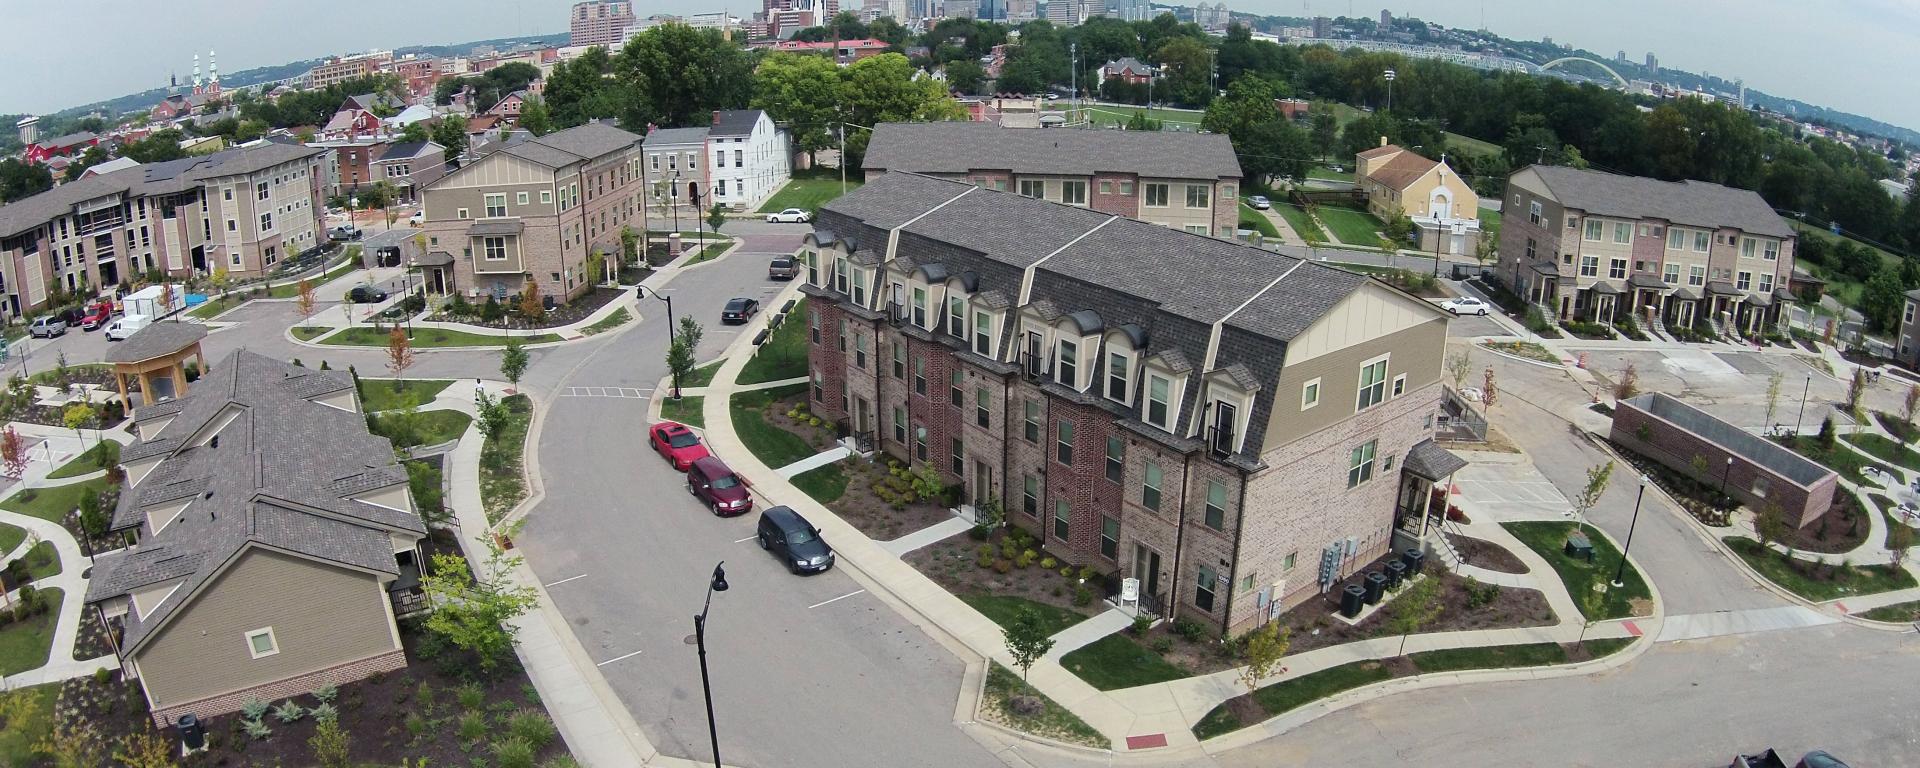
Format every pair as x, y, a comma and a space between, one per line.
716, 117
1383, 141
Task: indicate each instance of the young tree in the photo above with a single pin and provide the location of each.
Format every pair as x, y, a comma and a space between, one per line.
219, 279
1488, 392
77, 417
329, 743
399, 354
1773, 397
1899, 539
1629, 383
1266, 646
531, 307
1826, 436
474, 611
513, 361
1458, 366
304, 303
493, 413
1413, 609
1907, 408
1771, 524
13, 454
1028, 639
1856, 387
717, 218
690, 332
680, 362
1598, 476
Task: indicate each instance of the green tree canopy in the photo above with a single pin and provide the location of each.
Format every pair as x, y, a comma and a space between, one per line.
682, 74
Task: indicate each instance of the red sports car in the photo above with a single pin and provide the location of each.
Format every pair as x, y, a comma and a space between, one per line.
676, 443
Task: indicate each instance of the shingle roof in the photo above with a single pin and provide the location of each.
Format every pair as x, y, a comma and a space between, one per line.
280, 475
156, 340
735, 122
149, 179
1432, 461
573, 145
958, 147
506, 227
1688, 203
1404, 169
663, 136
71, 139
407, 150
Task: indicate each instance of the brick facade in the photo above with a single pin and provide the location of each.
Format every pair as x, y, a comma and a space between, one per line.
1744, 479
294, 686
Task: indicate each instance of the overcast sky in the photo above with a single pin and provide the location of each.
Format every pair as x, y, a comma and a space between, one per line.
1854, 55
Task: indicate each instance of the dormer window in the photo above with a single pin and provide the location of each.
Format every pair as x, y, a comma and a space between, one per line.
920, 306
957, 316
860, 287
840, 275
1159, 401
1118, 373
1036, 359
1225, 430
1067, 370
983, 333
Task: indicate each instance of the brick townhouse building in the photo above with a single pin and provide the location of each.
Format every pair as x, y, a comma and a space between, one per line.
746, 156
1187, 181
1209, 418
241, 209
1591, 245
534, 210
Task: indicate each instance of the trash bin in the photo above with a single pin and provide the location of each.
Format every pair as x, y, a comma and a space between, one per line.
1396, 572
1414, 558
1352, 599
192, 733
1376, 586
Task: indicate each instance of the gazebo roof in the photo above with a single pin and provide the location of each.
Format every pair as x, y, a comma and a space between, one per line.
156, 341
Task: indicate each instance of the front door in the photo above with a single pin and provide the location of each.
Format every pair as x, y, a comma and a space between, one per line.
1146, 568
861, 415
982, 482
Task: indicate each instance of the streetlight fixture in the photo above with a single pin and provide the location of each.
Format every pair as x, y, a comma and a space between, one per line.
672, 329
717, 584
1619, 573
1797, 419
407, 278
1390, 75
1724, 474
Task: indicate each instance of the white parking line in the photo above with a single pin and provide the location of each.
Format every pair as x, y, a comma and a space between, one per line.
565, 580
842, 597
749, 538
617, 658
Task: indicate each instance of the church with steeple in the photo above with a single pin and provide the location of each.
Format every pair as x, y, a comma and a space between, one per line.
178, 105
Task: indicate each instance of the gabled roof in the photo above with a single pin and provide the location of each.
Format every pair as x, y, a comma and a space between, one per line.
409, 150
1128, 64
959, 147
1384, 149
156, 340
735, 122
150, 178
1687, 203
1403, 170
664, 136
576, 144
69, 140
280, 476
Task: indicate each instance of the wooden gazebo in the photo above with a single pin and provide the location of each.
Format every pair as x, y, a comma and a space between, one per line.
157, 356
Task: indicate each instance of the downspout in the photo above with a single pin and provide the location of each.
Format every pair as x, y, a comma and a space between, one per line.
1239, 527
1179, 539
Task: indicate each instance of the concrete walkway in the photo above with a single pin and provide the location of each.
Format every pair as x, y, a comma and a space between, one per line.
816, 461
1694, 626
926, 536
1087, 632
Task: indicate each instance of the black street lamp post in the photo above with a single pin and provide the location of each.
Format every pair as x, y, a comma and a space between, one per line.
717, 584
1800, 417
672, 330
1723, 477
1619, 573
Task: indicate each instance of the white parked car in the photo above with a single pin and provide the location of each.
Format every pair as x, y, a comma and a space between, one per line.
790, 216
419, 218
1465, 305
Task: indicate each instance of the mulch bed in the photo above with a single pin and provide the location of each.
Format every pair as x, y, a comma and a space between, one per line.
413, 713
952, 564
1843, 528
1314, 625
1481, 553
91, 643
820, 437
862, 507
1702, 500
564, 314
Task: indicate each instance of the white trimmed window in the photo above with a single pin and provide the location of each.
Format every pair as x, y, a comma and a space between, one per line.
1593, 230
261, 643
1156, 195
1119, 372
1159, 401
1771, 250
1310, 394
957, 316
496, 206
1360, 463
1067, 367
983, 333
1373, 384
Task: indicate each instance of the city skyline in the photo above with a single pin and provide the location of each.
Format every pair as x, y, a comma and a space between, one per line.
1833, 62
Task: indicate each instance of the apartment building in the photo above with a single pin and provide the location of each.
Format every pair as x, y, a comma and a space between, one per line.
342, 68
739, 161
240, 209
277, 541
1212, 419
1442, 205
409, 166
1590, 245
599, 22
1188, 181
1907, 350
534, 210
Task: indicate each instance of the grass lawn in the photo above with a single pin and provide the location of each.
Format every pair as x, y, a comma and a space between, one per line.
808, 193
1470, 145
1052, 721
502, 484
309, 333
619, 318
702, 375
1526, 349
1529, 655
429, 427
214, 306
1842, 460
25, 645
43, 561
91, 461
288, 289
428, 338
1116, 661
711, 252
383, 395
825, 484
35, 722
1257, 221
776, 447
1803, 578
1298, 220
1884, 449
1549, 537
1119, 114
784, 355
1324, 173
1352, 227
686, 410
1281, 697
53, 504
10, 537
1898, 612
1489, 223
1002, 610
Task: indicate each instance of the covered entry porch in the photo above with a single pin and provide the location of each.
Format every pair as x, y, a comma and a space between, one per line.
1426, 487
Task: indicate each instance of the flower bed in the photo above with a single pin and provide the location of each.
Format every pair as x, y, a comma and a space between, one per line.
885, 501
477, 314
1481, 553
1008, 572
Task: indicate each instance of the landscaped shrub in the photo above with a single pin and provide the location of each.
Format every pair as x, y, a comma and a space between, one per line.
1024, 560
256, 729
324, 713
1141, 624
1049, 563
533, 726
253, 709
473, 727
1161, 645
513, 752
1002, 566
1082, 596
326, 693
471, 696
1190, 630
984, 559
289, 711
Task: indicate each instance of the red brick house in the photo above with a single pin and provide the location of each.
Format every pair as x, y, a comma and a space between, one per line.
70, 145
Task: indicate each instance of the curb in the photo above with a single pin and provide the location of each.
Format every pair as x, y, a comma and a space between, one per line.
1527, 360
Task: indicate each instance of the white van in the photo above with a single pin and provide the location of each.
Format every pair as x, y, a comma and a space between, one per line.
127, 326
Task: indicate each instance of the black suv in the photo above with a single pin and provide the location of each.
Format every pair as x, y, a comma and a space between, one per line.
366, 294
795, 541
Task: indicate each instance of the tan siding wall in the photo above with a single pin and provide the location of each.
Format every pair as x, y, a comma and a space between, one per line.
322, 616
1415, 352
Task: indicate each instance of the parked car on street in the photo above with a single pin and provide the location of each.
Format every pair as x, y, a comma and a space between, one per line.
366, 294
739, 310
790, 216
782, 268
344, 232
98, 315
795, 541
419, 218
48, 327
716, 486
126, 326
676, 443
1259, 202
1464, 305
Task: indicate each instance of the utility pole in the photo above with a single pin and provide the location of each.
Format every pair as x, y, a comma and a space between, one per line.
843, 157
1073, 78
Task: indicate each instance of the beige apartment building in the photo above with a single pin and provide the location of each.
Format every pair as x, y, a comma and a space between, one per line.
1593, 246
534, 210
1187, 181
1442, 205
241, 210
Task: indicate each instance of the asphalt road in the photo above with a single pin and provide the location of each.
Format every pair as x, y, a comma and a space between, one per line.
806, 671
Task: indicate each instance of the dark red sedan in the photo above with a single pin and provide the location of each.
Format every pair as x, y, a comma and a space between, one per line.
676, 443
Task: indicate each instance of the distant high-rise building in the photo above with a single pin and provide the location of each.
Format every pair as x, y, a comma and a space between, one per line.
1020, 11
1547, 40
1386, 19
962, 9
1653, 63
1620, 56
599, 22
1322, 26
1130, 10
991, 10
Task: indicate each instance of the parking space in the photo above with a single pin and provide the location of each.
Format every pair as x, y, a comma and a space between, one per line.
1468, 326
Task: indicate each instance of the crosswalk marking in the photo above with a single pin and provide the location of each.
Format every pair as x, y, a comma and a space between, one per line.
620, 392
